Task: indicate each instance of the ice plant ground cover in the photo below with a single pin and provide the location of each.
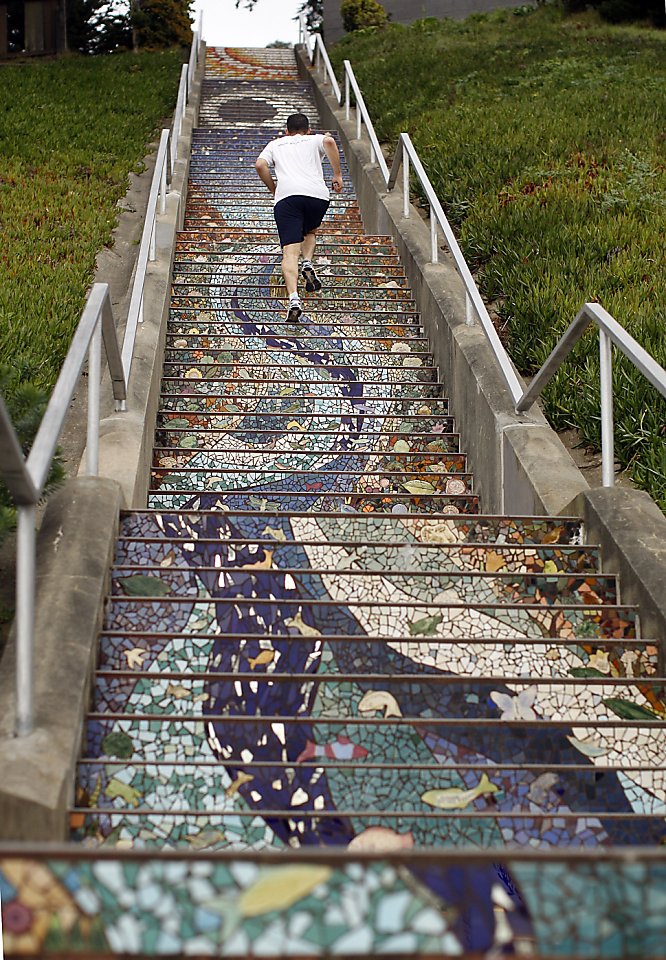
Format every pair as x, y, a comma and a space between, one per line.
544, 138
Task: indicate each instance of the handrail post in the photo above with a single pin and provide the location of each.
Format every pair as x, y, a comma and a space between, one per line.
606, 390
405, 184
163, 189
94, 377
434, 255
346, 91
25, 619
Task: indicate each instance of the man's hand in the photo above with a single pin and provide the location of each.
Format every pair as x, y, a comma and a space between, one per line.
264, 172
331, 150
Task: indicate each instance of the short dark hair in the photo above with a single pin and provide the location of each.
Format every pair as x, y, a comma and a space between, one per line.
298, 123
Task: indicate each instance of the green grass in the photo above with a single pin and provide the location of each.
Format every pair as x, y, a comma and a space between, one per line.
71, 130
545, 139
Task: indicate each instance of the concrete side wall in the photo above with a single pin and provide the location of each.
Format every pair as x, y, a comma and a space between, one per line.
406, 11
521, 454
75, 550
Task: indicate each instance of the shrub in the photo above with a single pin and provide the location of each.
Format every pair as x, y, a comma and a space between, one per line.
357, 14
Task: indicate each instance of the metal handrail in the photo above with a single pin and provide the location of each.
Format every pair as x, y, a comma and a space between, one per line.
317, 53
167, 154
177, 127
610, 331
147, 251
404, 155
362, 116
26, 478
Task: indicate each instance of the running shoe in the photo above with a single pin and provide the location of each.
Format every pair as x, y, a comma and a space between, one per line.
312, 281
295, 311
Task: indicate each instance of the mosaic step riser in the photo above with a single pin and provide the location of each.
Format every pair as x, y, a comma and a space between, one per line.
261, 214
229, 725
175, 691
264, 288
274, 500
185, 270
365, 402
318, 333
289, 380
179, 345
450, 617
335, 241
387, 310
213, 778
243, 829
315, 501
406, 463
201, 477
358, 261
244, 439
156, 651
259, 570
333, 279
528, 531
264, 362
351, 419
369, 555
279, 394
228, 251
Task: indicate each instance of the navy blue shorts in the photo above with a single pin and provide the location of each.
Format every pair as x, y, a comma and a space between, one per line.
297, 216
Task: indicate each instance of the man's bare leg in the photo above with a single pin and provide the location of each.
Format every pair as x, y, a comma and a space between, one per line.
312, 281
308, 245
290, 255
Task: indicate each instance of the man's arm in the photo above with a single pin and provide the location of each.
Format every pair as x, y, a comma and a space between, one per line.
264, 172
331, 148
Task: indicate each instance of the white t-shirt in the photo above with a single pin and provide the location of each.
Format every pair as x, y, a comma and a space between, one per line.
297, 162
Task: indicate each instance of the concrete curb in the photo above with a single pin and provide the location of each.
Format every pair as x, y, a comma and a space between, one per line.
519, 463
75, 550
631, 530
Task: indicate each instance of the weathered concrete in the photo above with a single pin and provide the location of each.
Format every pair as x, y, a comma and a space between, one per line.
406, 11
519, 463
631, 530
75, 548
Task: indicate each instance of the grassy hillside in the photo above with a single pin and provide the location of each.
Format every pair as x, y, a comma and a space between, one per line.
71, 131
545, 139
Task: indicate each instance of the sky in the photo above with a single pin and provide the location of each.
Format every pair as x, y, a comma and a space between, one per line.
224, 26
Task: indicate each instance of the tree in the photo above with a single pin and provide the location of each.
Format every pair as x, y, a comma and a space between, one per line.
97, 26
357, 14
161, 23
313, 10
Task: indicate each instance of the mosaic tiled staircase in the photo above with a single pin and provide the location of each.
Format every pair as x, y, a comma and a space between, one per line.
316, 640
